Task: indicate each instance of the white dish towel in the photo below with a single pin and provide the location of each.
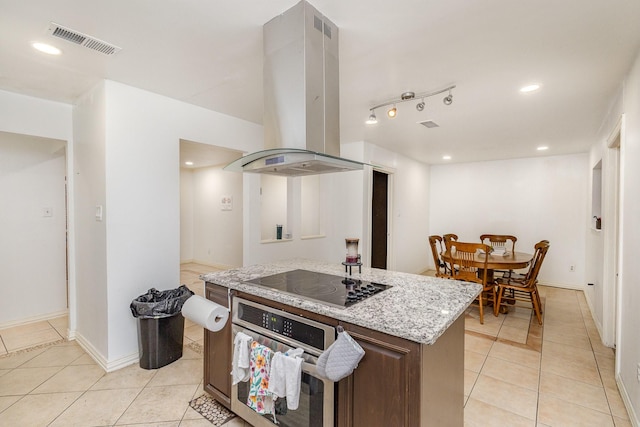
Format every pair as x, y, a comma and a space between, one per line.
240, 362
285, 377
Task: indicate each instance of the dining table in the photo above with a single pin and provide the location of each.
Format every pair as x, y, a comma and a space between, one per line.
498, 261
506, 261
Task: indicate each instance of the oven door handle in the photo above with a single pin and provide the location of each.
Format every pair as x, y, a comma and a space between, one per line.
309, 369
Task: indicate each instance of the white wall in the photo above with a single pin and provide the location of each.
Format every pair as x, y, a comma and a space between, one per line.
532, 199
186, 215
141, 246
26, 115
92, 326
273, 205
628, 344
33, 246
347, 206
217, 233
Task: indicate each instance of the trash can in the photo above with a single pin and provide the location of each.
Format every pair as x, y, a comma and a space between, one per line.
160, 325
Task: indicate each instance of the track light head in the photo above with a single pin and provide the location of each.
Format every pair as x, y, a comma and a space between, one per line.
392, 112
420, 105
448, 100
372, 120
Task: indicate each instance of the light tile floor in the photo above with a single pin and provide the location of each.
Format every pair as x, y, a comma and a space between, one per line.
514, 374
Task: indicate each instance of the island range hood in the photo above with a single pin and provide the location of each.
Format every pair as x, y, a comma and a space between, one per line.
301, 102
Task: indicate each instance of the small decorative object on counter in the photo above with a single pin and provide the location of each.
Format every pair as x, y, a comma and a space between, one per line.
278, 231
352, 250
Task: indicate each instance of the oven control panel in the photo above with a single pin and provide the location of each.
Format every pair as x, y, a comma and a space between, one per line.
282, 324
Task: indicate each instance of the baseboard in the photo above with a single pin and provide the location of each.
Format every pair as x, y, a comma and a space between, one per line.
33, 319
563, 286
595, 320
186, 261
106, 365
214, 265
633, 417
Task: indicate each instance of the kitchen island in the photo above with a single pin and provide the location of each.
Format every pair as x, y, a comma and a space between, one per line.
412, 373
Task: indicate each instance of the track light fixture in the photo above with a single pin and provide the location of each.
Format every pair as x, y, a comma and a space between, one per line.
408, 96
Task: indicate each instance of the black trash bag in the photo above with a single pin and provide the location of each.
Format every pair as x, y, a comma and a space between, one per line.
157, 304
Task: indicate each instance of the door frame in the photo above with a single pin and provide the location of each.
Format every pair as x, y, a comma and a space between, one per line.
612, 229
390, 172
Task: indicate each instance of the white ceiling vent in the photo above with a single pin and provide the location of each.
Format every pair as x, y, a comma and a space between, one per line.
73, 36
430, 124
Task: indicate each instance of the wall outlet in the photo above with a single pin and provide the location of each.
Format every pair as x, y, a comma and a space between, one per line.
572, 268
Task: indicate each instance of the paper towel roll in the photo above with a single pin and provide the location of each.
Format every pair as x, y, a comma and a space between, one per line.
205, 313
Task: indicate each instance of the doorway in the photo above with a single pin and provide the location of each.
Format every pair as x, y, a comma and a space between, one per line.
33, 226
379, 220
210, 206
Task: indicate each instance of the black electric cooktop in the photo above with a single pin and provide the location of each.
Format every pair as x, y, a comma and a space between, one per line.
341, 291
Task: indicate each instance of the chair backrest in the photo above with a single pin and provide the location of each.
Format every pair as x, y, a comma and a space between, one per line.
500, 241
541, 249
436, 249
463, 259
449, 238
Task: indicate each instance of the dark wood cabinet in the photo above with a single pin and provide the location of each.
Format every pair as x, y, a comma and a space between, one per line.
401, 383
217, 361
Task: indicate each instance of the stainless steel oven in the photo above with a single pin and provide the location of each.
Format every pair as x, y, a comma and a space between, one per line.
282, 331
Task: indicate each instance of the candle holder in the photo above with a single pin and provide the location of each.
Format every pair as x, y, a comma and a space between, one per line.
352, 250
353, 257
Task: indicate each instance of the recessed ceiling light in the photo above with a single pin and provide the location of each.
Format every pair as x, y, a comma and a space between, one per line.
46, 48
446, 157
188, 163
530, 88
542, 148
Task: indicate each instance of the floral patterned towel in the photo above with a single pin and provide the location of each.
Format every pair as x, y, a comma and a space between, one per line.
260, 399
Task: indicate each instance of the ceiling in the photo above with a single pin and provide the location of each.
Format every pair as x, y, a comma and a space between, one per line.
209, 53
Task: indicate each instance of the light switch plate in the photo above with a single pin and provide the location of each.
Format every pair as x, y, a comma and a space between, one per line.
99, 213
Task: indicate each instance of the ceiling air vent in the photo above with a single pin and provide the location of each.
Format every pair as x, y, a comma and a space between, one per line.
430, 124
73, 36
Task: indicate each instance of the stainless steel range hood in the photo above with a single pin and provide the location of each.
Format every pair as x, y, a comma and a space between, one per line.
301, 101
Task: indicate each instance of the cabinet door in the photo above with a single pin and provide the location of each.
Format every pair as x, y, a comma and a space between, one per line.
217, 352
384, 390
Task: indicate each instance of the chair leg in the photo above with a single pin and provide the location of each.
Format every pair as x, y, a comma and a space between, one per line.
496, 304
480, 298
536, 305
538, 298
495, 300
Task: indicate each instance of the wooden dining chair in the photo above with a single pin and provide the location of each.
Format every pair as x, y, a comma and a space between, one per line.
466, 268
437, 246
525, 289
504, 241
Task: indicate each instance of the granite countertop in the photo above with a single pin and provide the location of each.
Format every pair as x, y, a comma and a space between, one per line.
417, 308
